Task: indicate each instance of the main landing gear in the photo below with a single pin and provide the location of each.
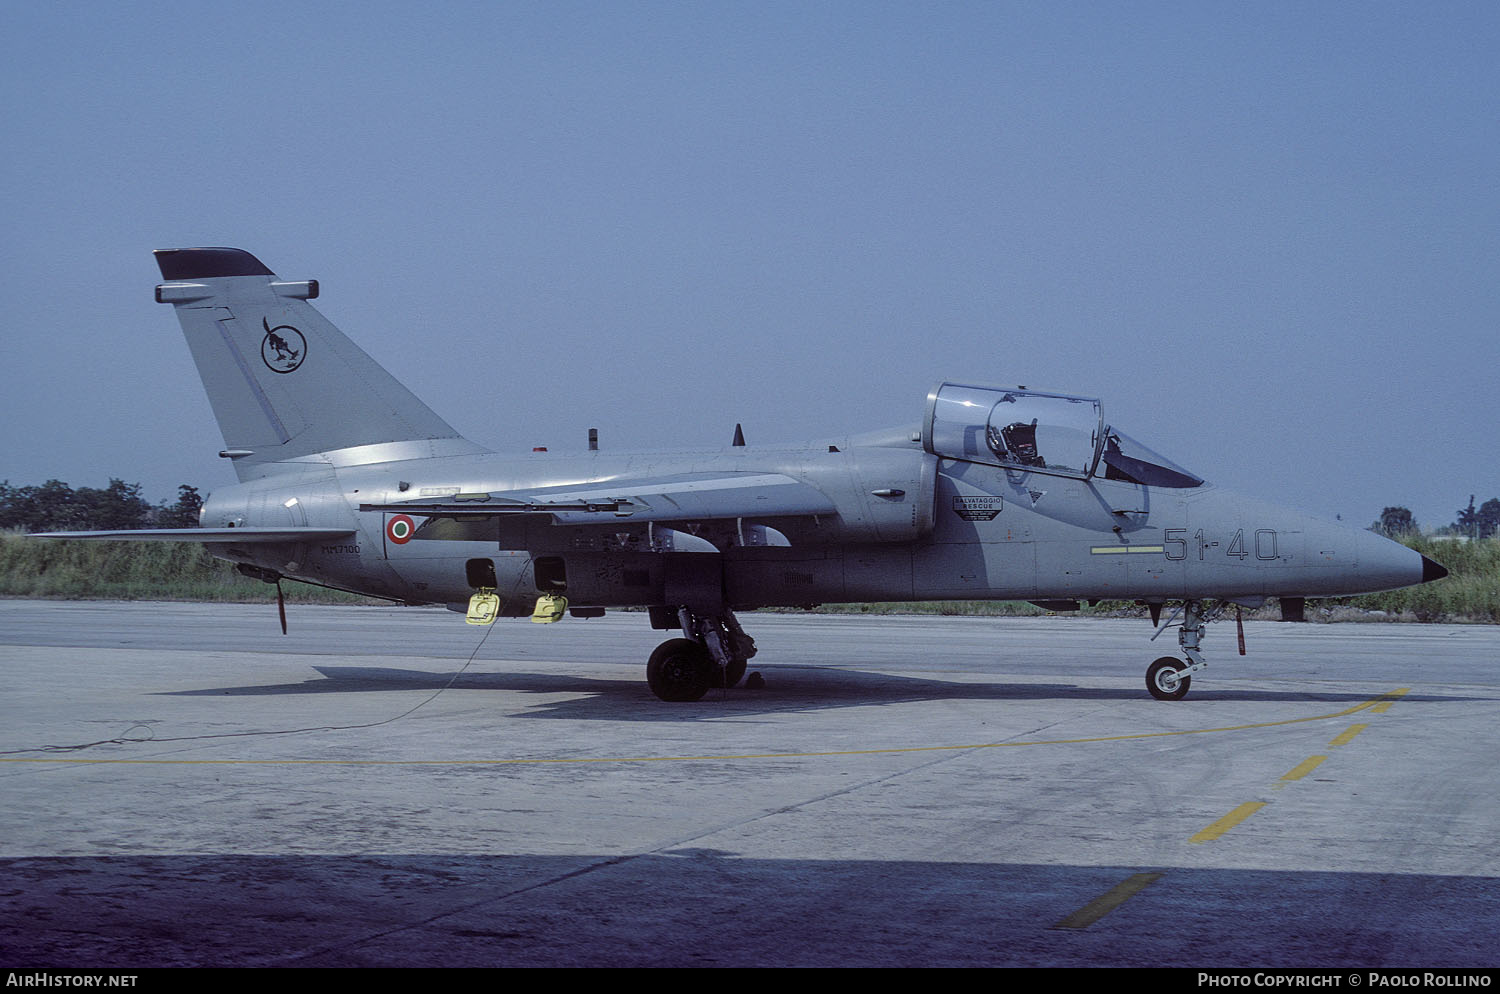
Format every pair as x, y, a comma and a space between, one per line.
1168, 678
714, 654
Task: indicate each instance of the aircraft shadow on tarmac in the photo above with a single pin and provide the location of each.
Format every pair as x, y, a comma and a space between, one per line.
788, 688
650, 909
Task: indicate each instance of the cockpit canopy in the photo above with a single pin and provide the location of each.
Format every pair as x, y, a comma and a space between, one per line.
1035, 432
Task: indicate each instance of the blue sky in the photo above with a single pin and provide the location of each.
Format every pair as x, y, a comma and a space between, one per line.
1266, 234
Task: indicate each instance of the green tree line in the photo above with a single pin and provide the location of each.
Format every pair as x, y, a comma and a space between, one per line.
1472, 522
56, 507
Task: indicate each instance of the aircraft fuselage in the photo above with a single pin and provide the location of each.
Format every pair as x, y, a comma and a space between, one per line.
909, 526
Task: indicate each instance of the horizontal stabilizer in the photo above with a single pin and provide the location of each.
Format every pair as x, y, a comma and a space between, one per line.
210, 535
692, 497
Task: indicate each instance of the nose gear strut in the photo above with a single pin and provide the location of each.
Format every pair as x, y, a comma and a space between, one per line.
1168, 678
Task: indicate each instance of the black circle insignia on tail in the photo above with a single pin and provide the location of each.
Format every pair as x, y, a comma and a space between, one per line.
283, 348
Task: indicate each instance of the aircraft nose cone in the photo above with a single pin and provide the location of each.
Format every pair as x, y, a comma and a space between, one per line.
1381, 564
1432, 571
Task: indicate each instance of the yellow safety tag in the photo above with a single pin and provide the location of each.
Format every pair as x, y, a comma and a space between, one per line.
549, 608
484, 606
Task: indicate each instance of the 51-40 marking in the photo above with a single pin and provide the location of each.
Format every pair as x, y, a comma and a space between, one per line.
1175, 547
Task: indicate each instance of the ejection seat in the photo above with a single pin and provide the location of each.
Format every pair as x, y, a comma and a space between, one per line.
1017, 443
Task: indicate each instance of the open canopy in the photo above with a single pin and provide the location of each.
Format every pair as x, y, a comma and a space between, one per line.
1032, 431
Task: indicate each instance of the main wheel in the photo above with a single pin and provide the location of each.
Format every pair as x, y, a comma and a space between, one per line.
679, 670
1163, 679
733, 673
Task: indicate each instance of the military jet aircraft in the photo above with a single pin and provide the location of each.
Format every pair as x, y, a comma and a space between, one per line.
347, 480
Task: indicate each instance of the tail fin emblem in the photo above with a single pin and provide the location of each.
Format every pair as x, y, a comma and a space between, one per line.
282, 353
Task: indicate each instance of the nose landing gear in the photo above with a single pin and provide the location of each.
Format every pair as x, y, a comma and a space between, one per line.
1168, 678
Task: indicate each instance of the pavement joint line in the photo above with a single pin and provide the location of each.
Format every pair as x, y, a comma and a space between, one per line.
1108, 901
538, 761
664, 850
665, 759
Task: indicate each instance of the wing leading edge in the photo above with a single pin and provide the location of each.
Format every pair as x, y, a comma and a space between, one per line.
689, 497
208, 535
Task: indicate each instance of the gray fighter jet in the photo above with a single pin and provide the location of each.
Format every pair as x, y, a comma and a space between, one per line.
347, 480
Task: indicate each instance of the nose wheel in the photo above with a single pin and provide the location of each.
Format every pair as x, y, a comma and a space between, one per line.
1165, 679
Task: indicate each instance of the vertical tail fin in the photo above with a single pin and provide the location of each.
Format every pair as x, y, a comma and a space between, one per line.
284, 383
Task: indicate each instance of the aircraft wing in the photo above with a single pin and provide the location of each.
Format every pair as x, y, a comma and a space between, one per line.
210, 535
689, 497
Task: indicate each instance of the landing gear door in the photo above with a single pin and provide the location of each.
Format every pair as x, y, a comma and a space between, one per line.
1017, 429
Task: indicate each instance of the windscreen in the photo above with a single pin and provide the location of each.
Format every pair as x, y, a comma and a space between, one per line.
1128, 460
